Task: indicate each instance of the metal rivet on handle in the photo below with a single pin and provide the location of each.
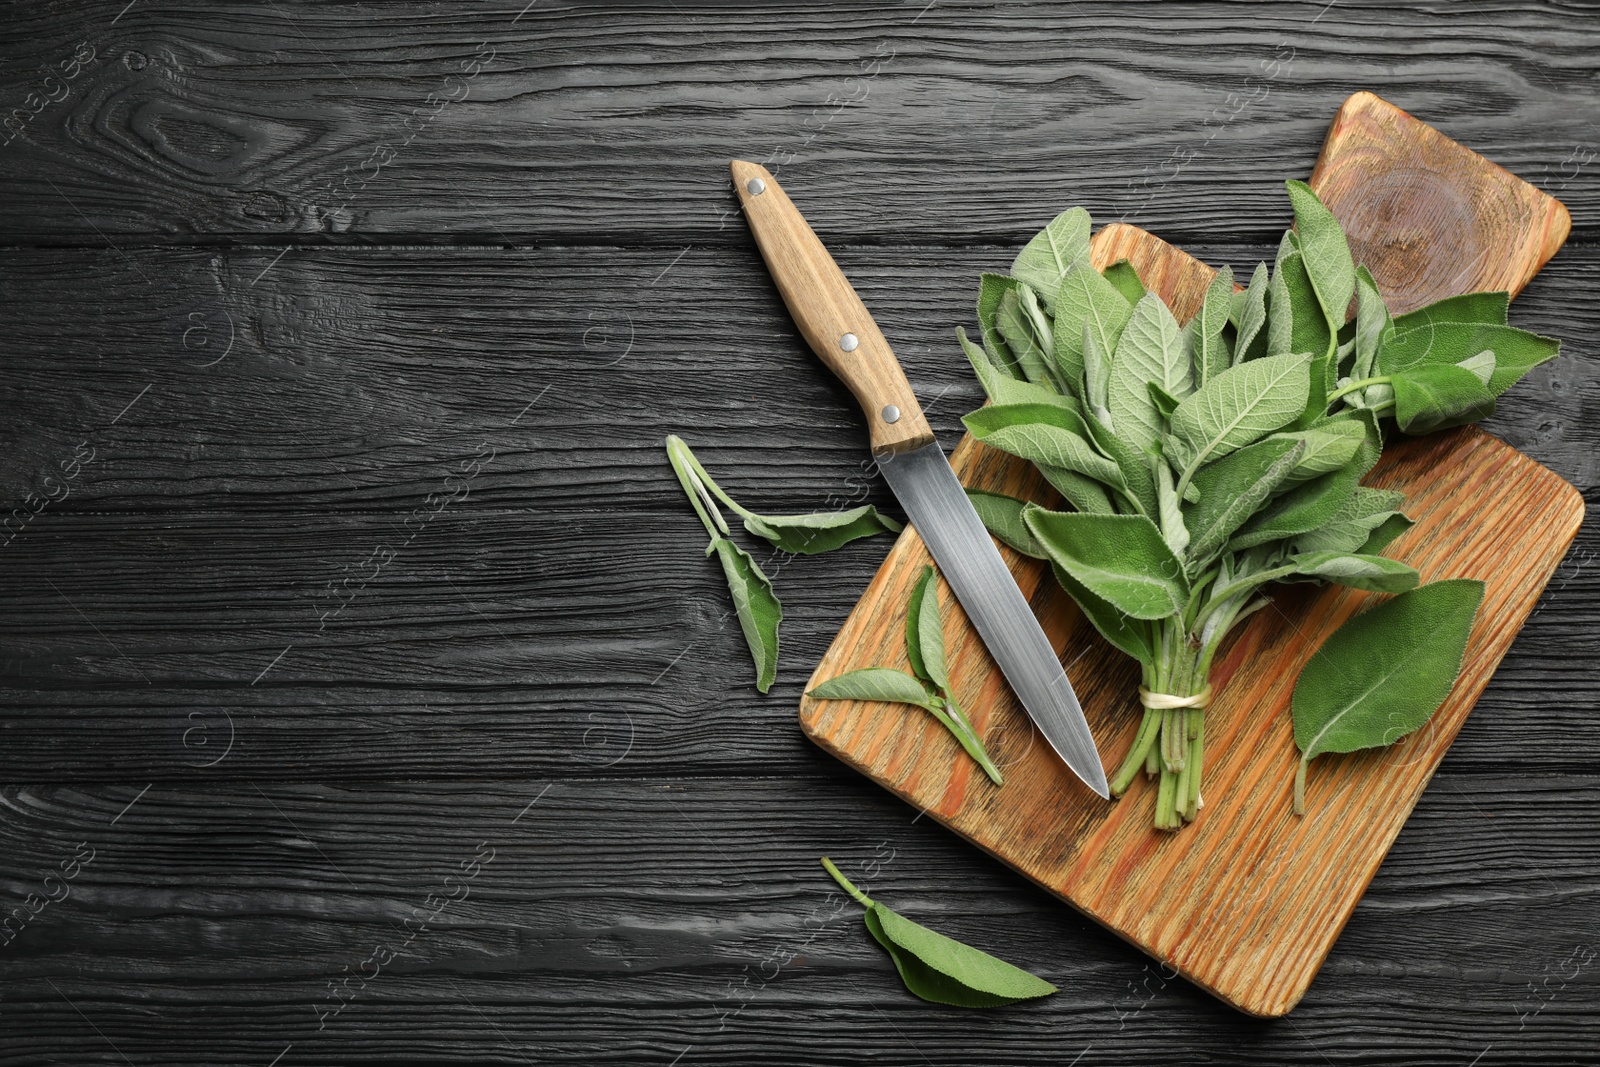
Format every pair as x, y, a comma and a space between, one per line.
756, 186
891, 413
848, 342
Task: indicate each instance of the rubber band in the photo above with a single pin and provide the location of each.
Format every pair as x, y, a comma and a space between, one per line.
1164, 701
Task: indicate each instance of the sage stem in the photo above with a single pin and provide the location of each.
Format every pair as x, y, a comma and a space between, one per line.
860, 897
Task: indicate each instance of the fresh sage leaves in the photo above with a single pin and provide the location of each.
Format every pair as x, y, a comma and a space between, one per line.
938, 968
1204, 462
928, 687
754, 600
1383, 673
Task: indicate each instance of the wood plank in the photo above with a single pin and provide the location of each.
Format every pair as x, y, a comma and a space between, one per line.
501, 644
1247, 928
621, 922
296, 120
360, 379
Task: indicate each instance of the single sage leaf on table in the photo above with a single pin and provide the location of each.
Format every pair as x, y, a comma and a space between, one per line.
938, 968
756, 604
1383, 673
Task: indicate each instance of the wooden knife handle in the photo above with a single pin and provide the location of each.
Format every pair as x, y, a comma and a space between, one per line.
830, 315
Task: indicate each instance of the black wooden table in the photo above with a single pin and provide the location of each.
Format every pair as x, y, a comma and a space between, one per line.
367, 698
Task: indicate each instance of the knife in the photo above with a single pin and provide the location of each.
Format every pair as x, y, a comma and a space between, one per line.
836, 325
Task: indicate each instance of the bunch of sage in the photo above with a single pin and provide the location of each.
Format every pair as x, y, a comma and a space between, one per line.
929, 687
753, 597
941, 969
1206, 461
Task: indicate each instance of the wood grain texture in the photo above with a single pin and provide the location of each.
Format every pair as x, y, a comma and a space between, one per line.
974, 121
1430, 217
829, 313
1264, 893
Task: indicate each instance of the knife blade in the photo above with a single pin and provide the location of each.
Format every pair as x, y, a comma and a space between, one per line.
837, 326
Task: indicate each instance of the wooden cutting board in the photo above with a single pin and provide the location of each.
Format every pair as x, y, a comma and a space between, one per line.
1248, 899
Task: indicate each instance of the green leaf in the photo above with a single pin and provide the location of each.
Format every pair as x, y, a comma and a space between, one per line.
992, 288
1302, 509
1061, 245
1488, 307
1234, 488
1041, 433
1130, 635
1378, 574
992, 375
1083, 492
1351, 527
823, 531
1016, 325
1173, 530
925, 632
1331, 445
1122, 559
1239, 406
1096, 378
1164, 401
1383, 673
1151, 350
1481, 364
1002, 388
1203, 337
1387, 531
1515, 351
1251, 339
1086, 301
877, 683
1280, 314
945, 971
1122, 275
1326, 254
1002, 517
756, 604
1140, 484
1433, 396
1372, 319
1309, 329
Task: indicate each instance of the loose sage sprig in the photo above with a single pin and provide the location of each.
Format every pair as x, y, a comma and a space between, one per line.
941, 969
1207, 461
754, 600
929, 687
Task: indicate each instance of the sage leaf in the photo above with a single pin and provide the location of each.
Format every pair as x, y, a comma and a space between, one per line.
1173, 530
1239, 406
823, 531
1515, 351
1489, 308
1377, 574
1309, 328
925, 632
1352, 525
1138, 481
992, 288
1383, 673
1372, 320
1122, 559
1031, 352
1002, 517
1234, 489
1331, 445
1125, 278
1326, 254
1300, 510
1045, 260
877, 683
1096, 378
1208, 351
1130, 635
1280, 315
1386, 532
756, 605
938, 968
1250, 340
986, 365
1151, 350
1432, 397
1083, 492
1088, 302
1020, 430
